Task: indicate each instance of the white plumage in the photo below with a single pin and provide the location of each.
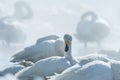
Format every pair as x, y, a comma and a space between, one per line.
45, 47
51, 65
92, 57
96, 70
91, 30
22, 11
10, 31
11, 70
43, 68
50, 37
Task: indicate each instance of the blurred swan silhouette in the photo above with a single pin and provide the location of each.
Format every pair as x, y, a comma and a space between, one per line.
22, 11
89, 29
10, 31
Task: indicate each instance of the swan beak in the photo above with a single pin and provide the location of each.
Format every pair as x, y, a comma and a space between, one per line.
67, 44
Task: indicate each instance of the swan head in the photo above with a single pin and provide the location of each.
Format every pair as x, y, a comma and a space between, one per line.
68, 41
90, 14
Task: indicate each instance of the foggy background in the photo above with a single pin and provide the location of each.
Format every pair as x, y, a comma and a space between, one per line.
59, 17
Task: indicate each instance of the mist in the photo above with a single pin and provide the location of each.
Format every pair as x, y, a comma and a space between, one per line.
57, 17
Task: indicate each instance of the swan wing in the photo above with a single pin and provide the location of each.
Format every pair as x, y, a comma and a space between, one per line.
55, 64
35, 52
50, 37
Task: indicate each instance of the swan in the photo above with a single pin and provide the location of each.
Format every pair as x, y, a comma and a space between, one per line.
92, 57
15, 68
10, 31
11, 70
51, 65
50, 37
96, 70
23, 11
51, 45
91, 30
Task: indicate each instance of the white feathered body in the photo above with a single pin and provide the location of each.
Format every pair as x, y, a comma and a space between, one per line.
92, 57
92, 31
45, 67
10, 32
96, 70
11, 70
42, 50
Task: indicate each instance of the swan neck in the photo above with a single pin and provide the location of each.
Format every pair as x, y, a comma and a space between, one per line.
69, 56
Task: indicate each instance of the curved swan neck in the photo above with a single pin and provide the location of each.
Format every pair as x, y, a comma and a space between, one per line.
69, 56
